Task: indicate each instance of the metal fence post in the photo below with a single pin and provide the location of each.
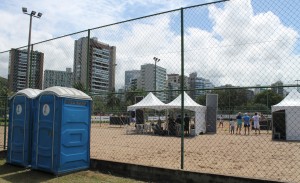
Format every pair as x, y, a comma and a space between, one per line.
181, 89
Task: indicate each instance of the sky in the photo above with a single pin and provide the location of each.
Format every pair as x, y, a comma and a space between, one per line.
240, 42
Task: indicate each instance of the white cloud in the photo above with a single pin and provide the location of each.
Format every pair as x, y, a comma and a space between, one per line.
243, 49
64, 17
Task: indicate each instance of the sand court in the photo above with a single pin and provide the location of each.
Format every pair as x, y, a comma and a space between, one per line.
255, 156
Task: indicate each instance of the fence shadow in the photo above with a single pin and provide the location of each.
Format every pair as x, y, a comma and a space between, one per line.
13, 173
8, 169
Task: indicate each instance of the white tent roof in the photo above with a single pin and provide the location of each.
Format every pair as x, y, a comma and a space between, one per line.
29, 92
292, 99
189, 103
66, 92
149, 102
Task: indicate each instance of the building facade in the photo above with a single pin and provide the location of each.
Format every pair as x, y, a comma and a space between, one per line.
58, 78
148, 83
174, 86
131, 79
198, 85
94, 65
277, 87
18, 68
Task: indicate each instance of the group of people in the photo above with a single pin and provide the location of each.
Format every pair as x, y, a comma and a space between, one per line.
240, 119
172, 124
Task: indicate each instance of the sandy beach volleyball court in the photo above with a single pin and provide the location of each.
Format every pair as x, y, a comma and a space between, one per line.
255, 156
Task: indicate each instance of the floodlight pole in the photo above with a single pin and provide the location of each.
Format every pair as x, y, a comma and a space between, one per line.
28, 53
155, 60
32, 14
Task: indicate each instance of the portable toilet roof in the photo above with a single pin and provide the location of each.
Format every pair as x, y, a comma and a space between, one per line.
28, 92
66, 92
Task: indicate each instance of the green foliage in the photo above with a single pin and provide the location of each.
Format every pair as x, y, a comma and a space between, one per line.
258, 107
201, 100
268, 98
3, 96
131, 94
79, 86
112, 101
3, 87
99, 105
231, 98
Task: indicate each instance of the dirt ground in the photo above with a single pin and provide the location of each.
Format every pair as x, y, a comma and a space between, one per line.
254, 156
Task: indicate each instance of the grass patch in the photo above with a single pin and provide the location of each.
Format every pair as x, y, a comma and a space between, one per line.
10, 173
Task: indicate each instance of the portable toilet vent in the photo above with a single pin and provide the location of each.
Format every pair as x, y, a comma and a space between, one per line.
20, 127
61, 140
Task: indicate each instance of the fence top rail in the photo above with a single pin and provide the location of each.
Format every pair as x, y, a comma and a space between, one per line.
133, 19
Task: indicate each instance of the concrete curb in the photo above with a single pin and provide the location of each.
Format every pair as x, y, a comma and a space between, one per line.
154, 174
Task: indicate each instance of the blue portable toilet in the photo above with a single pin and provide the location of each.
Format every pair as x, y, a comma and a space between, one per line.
21, 108
61, 140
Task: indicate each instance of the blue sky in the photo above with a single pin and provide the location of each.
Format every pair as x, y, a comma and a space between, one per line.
235, 34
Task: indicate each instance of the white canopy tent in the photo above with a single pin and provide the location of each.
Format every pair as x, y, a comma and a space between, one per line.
190, 104
152, 102
291, 105
149, 102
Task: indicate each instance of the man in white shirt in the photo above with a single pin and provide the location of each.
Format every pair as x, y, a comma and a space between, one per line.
256, 122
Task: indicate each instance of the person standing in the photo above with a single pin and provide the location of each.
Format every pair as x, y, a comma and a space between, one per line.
231, 122
239, 123
171, 125
178, 125
186, 120
221, 121
246, 120
256, 122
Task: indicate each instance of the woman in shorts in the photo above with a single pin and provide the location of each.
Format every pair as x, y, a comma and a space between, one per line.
239, 123
246, 119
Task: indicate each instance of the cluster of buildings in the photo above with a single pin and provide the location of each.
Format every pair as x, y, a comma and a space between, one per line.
100, 62
99, 59
145, 79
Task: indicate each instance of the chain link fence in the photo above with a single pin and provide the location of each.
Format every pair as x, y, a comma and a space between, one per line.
232, 61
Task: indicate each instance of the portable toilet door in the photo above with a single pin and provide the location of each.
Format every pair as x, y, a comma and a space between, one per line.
43, 139
20, 126
61, 141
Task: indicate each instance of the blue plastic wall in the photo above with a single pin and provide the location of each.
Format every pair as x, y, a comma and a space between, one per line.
62, 137
19, 131
43, 138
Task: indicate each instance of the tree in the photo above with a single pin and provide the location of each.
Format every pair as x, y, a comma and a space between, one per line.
201, 100
230, 98
112, 100
268, 98
79, 86
98, 105
131, 94
3, 96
